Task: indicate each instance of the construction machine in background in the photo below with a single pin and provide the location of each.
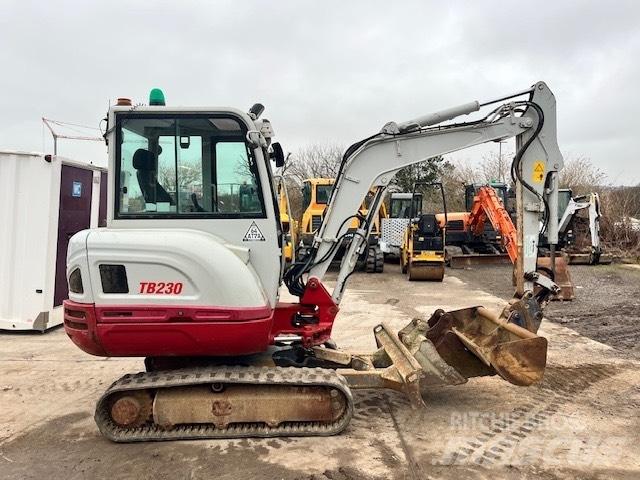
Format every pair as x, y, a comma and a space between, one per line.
468, 245
488, 205
196, 290
579, 235
289, 224
422, 254
315, 194
393, 226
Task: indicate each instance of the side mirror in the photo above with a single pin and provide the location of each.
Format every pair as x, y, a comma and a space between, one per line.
277, 154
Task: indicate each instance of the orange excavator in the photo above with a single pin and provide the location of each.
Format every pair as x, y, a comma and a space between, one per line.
487, 205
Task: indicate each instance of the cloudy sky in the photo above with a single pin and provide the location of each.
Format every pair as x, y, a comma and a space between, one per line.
326, 70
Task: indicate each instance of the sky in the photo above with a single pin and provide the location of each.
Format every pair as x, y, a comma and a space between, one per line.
326, 71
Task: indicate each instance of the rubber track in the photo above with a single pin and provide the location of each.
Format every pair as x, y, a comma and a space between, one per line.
230, 375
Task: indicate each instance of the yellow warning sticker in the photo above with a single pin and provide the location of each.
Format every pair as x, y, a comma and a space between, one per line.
538, 171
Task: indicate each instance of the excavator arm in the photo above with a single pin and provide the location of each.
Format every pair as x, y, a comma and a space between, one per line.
486, 204
453, 346
371, 164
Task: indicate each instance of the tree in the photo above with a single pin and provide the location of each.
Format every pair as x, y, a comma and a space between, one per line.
427, 171
490, 168
453, 185
316, 160
580, 175
189, 177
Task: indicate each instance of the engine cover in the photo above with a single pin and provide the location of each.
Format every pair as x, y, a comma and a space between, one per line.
164, 293
162, 267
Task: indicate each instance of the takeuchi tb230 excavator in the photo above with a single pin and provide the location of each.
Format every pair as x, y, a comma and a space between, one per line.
189, 277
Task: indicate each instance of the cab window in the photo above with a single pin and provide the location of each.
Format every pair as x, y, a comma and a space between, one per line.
306, 195
323, 192
185, 166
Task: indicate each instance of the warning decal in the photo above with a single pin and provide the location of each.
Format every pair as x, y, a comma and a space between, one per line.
538, 171
253, 234
530, 245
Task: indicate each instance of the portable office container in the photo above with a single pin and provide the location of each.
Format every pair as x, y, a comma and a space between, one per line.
44, 200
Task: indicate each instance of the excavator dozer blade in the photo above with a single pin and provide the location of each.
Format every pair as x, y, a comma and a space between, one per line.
562, 276
475, 342
433, 271
469, 260
576, 258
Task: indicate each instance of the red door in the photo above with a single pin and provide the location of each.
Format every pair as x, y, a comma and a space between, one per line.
74, 215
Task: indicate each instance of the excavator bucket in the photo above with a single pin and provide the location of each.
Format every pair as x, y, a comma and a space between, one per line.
454, 346
448, 349
562, 276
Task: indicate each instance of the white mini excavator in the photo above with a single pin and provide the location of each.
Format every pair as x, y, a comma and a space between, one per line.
187, 274
571, 225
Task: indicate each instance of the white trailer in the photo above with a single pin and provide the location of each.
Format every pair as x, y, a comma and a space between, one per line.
44, 200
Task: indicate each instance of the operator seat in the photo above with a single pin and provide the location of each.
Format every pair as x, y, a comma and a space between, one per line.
145, 164
429, 228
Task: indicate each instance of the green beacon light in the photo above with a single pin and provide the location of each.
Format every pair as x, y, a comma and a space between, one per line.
156, 97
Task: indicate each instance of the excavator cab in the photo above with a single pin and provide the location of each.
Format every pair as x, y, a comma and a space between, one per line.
422, 254
471, 190
400, 204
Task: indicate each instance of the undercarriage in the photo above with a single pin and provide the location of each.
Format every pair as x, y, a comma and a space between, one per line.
297, 391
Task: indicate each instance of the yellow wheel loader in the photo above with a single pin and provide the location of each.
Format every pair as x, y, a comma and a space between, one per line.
316, 193
422, 254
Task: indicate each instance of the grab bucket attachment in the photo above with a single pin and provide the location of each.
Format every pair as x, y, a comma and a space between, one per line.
475, 342
448, 349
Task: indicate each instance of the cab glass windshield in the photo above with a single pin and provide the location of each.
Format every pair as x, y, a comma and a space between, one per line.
323, 192
174, 166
